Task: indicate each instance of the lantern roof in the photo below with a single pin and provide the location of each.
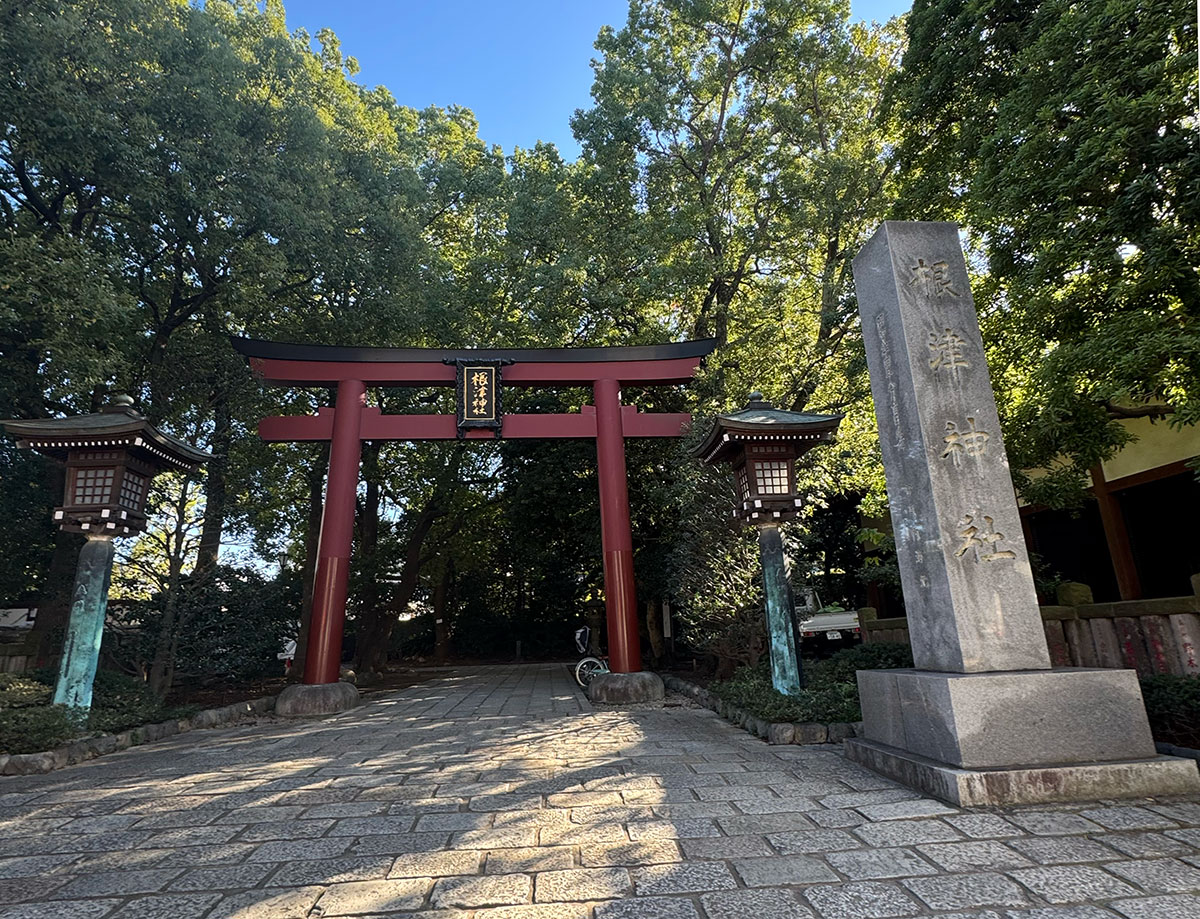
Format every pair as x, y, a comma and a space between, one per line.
761, 421
116, 425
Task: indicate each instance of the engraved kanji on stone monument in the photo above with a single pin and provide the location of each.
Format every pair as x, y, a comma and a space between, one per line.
968, 588
949, 352
967, 441
980, 536
933, 278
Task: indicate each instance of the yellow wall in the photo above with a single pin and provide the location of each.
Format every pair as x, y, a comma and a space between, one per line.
1157, 444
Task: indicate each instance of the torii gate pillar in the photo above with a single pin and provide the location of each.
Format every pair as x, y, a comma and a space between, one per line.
323, 656
616, 536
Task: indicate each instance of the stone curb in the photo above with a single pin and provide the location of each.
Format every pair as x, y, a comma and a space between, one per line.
781, 732
1169, 749
79, 751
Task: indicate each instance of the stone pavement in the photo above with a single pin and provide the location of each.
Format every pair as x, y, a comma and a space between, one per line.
498, 793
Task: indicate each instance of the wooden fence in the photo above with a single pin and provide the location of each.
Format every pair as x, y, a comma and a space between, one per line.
15, 658
1149, 636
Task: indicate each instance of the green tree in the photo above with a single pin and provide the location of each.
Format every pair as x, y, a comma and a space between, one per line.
171, 174
741, 150
746, 137
1064, 137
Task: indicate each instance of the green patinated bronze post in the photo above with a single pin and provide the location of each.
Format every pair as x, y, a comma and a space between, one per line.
81, 647
786, 673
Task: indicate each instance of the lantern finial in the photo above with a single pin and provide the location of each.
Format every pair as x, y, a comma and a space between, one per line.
120, 403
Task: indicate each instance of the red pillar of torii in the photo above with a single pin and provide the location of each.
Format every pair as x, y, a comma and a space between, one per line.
351, 421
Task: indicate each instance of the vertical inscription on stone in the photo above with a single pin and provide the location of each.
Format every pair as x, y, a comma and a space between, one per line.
889, 375
964, 567
967, 441
933, 278
979, 536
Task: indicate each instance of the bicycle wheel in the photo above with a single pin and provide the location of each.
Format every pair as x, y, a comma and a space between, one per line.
587, 670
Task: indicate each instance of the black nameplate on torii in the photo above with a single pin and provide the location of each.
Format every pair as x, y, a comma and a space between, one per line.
479, 395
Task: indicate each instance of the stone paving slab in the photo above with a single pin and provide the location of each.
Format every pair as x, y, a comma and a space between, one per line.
499, 793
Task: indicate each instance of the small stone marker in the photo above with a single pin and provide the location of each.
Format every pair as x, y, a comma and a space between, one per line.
983, 719
968, 587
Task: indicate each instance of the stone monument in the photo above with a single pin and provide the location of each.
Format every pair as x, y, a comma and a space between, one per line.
983, 718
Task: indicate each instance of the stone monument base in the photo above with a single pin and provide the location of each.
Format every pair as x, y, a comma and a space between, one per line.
303, 699
1162, 775
624, 688
1014, 737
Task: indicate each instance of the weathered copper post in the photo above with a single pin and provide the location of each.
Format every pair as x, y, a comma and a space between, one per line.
85, 630
787, 673
762, 443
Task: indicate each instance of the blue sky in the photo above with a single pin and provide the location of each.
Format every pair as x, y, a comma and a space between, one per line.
521, 66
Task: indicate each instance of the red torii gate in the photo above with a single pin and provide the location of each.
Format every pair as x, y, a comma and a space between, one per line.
352, 421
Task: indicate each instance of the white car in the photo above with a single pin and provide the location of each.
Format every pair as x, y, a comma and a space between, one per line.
833, 625
835, 628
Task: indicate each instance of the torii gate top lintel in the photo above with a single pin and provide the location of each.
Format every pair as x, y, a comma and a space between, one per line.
297, 364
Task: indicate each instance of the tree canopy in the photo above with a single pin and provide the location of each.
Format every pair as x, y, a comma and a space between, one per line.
172, 174
1064, 137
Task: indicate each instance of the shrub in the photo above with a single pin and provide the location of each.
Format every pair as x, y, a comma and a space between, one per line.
1173, 707
830, 692
33, 729
881, 655
228, 627
821, 700
17, 690
119, 701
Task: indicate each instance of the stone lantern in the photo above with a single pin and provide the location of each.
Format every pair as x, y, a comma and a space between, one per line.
762, 443
110, 456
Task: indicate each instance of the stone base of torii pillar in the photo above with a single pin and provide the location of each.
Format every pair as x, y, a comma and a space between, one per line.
301, 700
984, 719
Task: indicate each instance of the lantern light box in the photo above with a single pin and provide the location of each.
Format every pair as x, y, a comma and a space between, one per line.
110, 456
762, 444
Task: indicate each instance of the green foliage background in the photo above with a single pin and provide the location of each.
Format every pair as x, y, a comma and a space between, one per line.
172, 174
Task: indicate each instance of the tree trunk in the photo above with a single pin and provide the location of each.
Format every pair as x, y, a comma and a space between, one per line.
162, 668
374, 638
441, 628
215, 489
54, 604
312, 539
372, 641
595, 621
370, 610
654, 630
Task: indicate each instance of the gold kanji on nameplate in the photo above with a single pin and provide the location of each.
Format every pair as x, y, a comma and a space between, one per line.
478, 396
